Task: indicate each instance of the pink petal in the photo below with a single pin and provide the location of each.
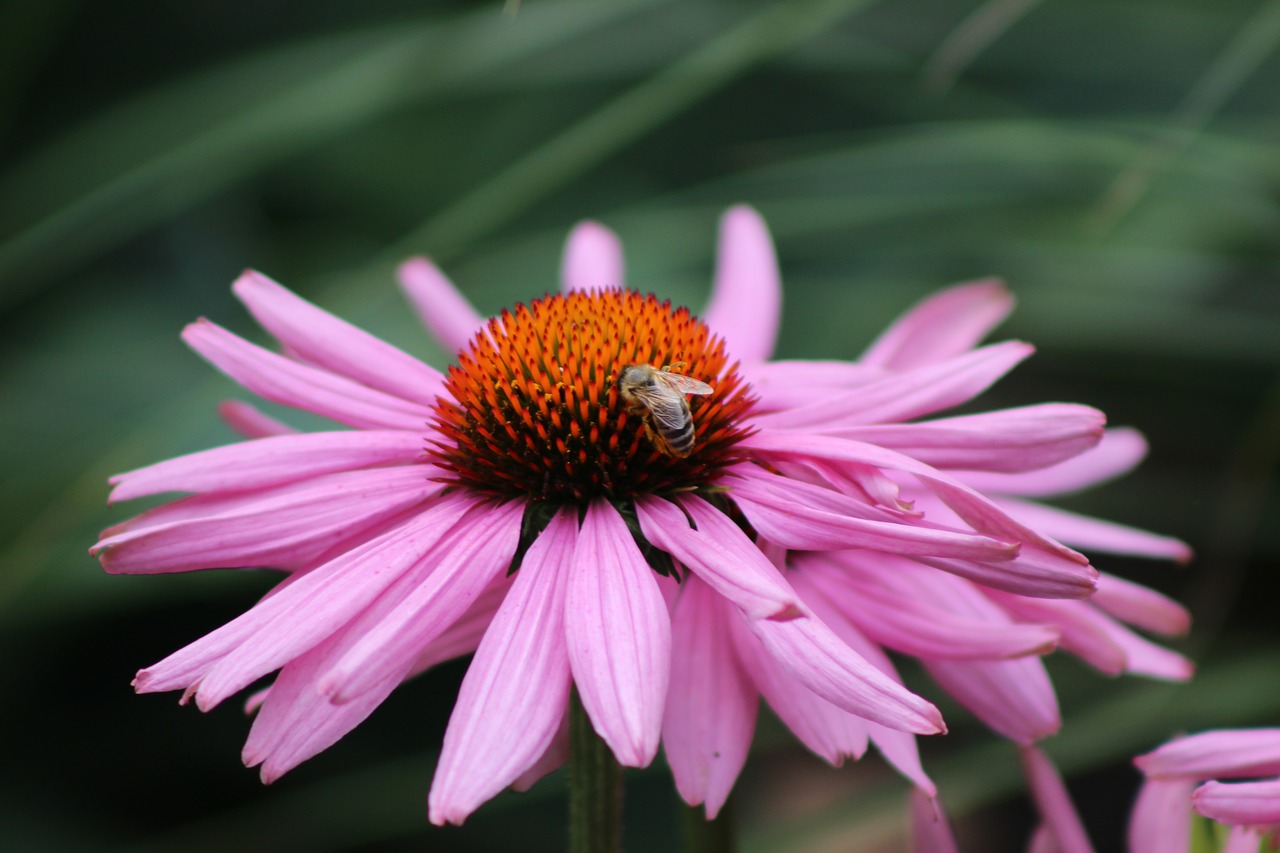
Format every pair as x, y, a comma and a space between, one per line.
1144, 657
711, 705
445, 312
291, 524
787, 384
746, 301
720, 553
301, 721
1028, 574
320, 338
303, 611
1021, 439
903, 396
804, 517
1161, 818
812, 653
1239, 802
300, 386
1094, 534
592, 259
1118, 453
466, 562
981, 513
619, 637
552, 760
1054, 803
943, 325
1014, 698
297, 722
930, 830
1086, 632
1247, 839
904, 622
463, 637
1220, 753
249, 422
516, 690
269, 462
1140, 606
897, 747
829, 732
1042, 841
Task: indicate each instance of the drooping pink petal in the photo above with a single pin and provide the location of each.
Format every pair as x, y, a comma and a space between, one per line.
516, 690
975, 509
466, 563
940, 326
463, 636
551, 760
805, 517
592, 259
1144, 657
1095, 534
1022, 439
746, 302
1085, 630
297, 722
1042, 841
619, 637
905, 622
301, 722
269, 462
904, 396
320, 338
1013, 697
250, 422
291, 524
720, 553
1247, 839
303, 611
711, 705
813, 655
289, 383
1120, 450
445, 312
1140, 606
897, 747
1224, 753
1054, 803
1248, 803
1027, 574
1099, 640
930, 829
1161, 818
829, 732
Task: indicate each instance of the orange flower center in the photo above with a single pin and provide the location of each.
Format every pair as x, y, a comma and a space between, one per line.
535, 409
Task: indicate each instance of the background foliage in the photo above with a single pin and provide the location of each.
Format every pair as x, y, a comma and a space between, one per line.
1117, 162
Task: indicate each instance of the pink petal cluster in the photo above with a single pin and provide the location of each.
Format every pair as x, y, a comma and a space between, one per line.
877, 525
1175, 785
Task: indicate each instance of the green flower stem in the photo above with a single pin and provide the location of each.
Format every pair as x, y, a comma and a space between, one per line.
595, 788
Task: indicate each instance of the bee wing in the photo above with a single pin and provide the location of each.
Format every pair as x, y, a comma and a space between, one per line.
666, 407
682, 384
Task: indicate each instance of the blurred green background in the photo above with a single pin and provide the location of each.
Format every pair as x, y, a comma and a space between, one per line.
1116, 162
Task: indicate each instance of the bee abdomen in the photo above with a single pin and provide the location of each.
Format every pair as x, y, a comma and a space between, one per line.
680, 441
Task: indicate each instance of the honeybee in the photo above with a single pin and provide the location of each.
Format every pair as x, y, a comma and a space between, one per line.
658, 397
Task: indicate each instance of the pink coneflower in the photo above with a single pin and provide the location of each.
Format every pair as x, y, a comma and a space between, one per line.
1162, 816
520, 508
